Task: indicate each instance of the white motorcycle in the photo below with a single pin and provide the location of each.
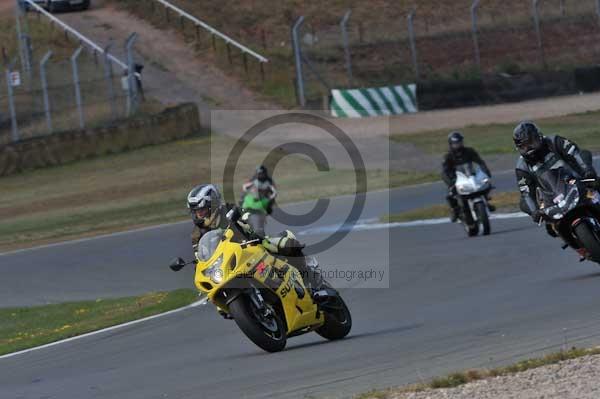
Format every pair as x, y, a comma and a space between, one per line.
473, 187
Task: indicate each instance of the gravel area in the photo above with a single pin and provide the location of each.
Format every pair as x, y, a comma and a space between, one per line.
570, 379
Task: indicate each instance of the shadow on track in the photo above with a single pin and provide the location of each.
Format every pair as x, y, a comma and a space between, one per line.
351, 337
582, 277
513, 230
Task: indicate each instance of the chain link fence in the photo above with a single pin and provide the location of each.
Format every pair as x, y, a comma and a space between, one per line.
441, 43
51, 83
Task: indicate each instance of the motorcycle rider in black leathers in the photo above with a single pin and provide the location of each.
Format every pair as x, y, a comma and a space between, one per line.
209, 212
539, 152
457, 155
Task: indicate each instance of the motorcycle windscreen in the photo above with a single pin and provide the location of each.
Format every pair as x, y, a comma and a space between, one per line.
470, 178
558, 188
467, 169
209, 243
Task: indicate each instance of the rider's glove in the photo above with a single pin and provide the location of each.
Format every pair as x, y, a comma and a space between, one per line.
539, 216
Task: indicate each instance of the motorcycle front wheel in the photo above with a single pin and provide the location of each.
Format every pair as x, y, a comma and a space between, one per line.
268, 332
471, 226
471, 229
589, 240
483, 218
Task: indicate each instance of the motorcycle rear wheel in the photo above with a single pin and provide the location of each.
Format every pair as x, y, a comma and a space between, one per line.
268, 334
589, 240
338, 321
482, 217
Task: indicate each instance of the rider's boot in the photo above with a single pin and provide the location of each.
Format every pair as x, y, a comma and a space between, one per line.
224, 315
454, 212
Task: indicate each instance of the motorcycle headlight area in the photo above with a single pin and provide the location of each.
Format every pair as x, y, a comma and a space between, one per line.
568, 202
464, 188
214, 271
564, 203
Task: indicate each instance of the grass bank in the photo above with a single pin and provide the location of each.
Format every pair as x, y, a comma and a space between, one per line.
465, 377
504, 202
149, 186
497, 138
24, 328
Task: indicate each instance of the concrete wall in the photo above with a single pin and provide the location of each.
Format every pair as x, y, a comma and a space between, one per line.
60, 148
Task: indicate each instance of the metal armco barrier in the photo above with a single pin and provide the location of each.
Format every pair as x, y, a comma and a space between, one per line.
84, 40
213, 31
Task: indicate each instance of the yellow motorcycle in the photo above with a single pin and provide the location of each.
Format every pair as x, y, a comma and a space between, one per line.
263, 293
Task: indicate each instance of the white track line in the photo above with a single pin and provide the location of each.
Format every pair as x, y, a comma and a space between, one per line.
118, 326
159, 226
366, 225
98, 237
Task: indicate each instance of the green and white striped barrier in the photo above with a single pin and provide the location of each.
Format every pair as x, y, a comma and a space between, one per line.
389, 100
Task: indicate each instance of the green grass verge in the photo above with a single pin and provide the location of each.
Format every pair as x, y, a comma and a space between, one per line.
23, 328
464, 377
507, 202
497, 138
149, 186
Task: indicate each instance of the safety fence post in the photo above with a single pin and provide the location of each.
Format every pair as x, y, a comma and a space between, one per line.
344, 29
77, 86
108, 76
44, 81
298, 62
11, 105
475, 32
413, 44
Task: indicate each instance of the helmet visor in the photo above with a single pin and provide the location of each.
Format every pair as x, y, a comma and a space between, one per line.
528, 146
456, 145
201, 213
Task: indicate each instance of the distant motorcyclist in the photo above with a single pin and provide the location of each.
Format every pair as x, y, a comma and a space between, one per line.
539, 153
258, 198
458, 155
209, 212
260, 191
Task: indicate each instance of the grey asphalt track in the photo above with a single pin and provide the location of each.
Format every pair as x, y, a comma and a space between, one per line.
135, 262
452, 303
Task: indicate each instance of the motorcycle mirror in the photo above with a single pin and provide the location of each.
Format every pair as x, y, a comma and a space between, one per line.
233, 215
177, 264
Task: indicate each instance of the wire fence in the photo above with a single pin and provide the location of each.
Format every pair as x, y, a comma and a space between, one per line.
490, 36
51, 83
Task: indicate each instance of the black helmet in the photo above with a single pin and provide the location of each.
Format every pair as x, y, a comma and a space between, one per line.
456, 141
529, 141
262, 174
204, 202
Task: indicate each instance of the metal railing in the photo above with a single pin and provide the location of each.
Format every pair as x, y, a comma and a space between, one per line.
228, 40
84, 40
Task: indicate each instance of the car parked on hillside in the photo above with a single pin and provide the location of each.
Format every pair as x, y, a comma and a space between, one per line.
57, 5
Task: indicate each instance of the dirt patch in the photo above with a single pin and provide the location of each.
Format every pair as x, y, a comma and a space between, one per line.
6, 6
173, 73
